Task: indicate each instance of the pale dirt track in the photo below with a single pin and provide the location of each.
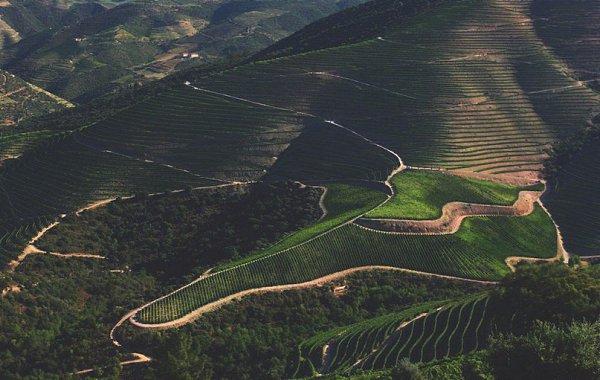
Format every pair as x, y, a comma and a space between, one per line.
137, 358
322, 202
453, 214
401, 166
14, 288
194, 315
30, 248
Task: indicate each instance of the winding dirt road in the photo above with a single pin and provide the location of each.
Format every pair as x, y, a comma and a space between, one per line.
30, 248
137, 358
453, 214
194, 315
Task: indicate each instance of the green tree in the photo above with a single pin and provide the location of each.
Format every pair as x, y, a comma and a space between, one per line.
406, 370
550, 292
548, 352
181, 360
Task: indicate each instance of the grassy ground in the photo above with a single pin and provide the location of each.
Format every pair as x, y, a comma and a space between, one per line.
422, 194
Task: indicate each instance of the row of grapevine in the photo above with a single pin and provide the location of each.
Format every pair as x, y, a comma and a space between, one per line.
346, 344
476, 251
65, 175
422, 194
62, 176
467, 86
455, 329
206, 134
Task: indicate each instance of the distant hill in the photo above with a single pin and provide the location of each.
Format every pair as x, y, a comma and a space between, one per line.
92, 49
23, 18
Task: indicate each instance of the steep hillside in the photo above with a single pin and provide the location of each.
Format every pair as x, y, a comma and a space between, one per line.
415, 146
352, 25
20, 100
467, 86
570, 29
139, 41
23, 18
478, 92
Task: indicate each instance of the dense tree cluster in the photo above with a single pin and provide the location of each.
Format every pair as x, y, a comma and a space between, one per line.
56, 318
57, 312
548, 352
171, 235
553, 293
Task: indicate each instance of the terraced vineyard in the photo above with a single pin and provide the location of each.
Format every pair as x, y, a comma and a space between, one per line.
423, 333
465, 89
467, 86
454, 329
14, 145
422, 194
476, 251
339, 348
63, 176
221, 137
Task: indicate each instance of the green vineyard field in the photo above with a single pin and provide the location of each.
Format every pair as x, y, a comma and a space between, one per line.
456, 329
422, 194
476, 251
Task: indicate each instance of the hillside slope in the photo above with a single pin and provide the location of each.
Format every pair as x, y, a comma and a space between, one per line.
457, 102
139, 41
466, 86
570, 28
20, 100
573, 199
23, 18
